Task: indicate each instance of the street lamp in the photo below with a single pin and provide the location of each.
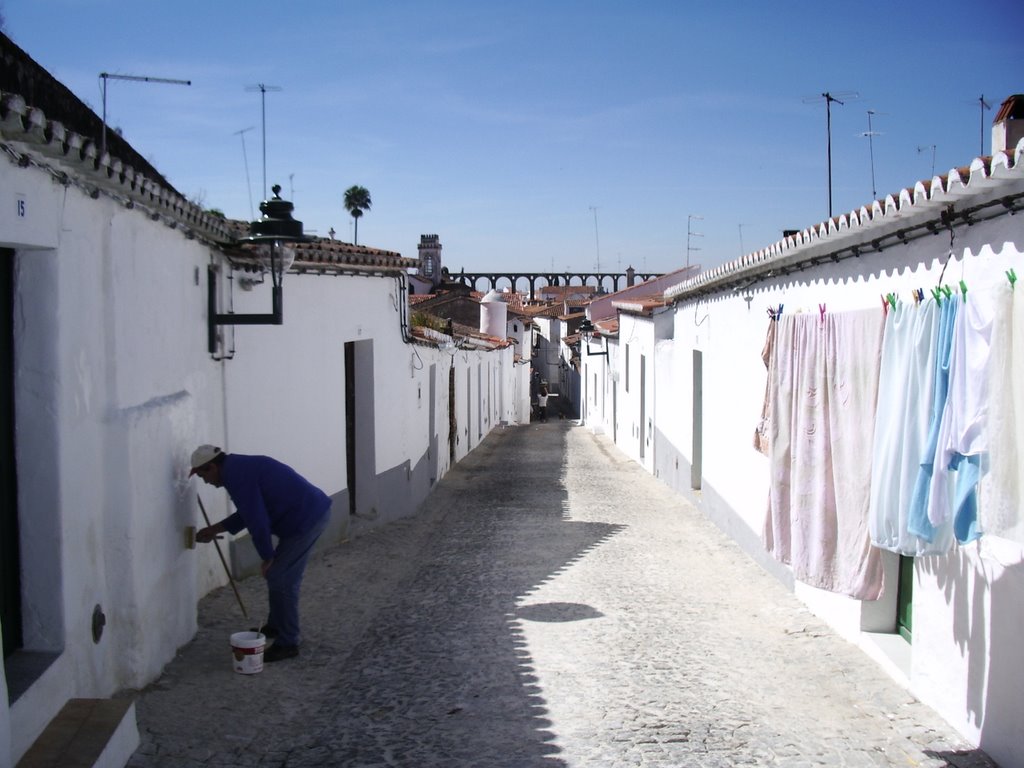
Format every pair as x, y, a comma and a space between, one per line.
587, 331
273, 235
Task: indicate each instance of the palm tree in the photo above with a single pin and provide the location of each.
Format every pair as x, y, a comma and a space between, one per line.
357, 200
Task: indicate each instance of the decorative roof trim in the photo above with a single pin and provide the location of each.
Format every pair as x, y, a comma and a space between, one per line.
29, 139
961, 197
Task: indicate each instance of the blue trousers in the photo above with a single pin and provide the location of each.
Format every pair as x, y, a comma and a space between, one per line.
284, 579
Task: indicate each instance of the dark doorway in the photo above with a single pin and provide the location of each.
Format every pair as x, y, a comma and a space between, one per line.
350, 424
905, 598
452, 421
360, 437
696, 466
10, 557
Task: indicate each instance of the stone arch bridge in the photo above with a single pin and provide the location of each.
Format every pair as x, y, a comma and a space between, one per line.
608, 282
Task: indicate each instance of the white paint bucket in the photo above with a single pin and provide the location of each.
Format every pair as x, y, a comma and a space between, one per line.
247, 652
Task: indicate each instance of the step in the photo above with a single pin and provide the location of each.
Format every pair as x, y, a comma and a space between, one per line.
86, 733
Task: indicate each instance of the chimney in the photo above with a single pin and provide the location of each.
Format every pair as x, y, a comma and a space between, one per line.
1008, 125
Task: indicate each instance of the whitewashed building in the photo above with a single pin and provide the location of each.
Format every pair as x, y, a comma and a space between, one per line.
113, 373
683, 386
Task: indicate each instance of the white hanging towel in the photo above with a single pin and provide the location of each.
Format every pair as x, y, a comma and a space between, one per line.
1002, 490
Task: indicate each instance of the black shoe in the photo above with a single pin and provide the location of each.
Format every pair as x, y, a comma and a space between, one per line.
278, 652
267, 631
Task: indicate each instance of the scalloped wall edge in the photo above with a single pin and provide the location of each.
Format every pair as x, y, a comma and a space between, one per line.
930, 196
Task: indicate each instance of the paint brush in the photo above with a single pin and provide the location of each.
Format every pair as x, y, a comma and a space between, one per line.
222, 560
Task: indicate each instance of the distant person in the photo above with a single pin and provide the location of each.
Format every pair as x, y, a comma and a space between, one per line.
542, 404
271, 498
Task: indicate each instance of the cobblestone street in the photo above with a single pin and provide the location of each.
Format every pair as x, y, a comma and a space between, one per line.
551, 605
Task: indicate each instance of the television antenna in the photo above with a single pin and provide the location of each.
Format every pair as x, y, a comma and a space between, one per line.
245, 157
597, 242
982, 105
105, 76
690, 233
871, 150
932, 148
262, 88
840, 97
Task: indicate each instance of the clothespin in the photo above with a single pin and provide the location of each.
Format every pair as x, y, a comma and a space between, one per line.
918, 295
937, 295
780, 312
892, 300
885, 304
1011, 275
821, 312
947, 290
963, 289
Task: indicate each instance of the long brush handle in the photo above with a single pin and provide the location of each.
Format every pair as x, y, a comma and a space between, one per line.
222, 560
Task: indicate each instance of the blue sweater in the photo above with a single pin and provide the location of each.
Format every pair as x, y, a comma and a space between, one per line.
271, 498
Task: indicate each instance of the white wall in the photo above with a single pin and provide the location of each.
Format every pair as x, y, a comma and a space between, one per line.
115, 386
111, 380
968, 606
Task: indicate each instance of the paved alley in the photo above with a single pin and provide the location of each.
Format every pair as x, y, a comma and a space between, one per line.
552, 605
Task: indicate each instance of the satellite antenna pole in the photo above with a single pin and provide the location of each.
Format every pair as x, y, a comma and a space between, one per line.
263, 105
690, 233
871, 150
839, 98
597, 242
245, 157
105, 76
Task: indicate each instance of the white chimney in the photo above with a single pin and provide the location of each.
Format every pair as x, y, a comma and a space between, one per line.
1008, 125
493, 315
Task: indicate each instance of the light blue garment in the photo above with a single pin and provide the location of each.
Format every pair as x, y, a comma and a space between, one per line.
902, 417
940, 537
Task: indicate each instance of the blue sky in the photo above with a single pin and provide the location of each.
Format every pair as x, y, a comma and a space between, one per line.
539, 135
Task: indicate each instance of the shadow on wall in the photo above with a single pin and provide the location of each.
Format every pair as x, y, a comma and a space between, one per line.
445, 669
1002, 731
987, 633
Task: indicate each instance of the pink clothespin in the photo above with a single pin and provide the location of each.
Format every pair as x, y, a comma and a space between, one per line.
885, 305
821, 312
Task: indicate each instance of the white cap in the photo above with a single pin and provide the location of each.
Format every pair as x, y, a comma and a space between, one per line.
204, 454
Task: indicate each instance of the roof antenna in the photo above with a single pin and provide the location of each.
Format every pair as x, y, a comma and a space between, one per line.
245, 157
932, 148
983, 105
871, 149
690, 233
263, 103
840, 97
104, 76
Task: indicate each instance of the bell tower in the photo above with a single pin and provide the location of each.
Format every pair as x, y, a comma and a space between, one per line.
430, 259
